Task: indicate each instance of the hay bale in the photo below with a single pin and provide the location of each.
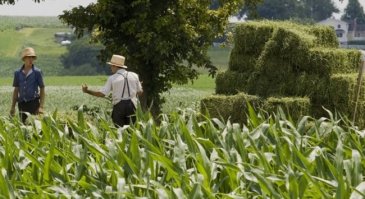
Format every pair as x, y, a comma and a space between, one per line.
250, 38
343, 91
230, 82
341, 98
242, 63
234, 107
329, 61
229, 107
325, 36
295, 107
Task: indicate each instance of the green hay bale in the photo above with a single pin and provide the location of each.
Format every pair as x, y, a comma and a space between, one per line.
328, 61
325, 36
343, 92
250, 38
291, 46
272, 82
231, 82
232, 107
295, 107
342, 98
244, 63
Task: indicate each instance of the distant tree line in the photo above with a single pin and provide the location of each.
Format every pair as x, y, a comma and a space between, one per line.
304, 10
299, 10
81, 58
354, 11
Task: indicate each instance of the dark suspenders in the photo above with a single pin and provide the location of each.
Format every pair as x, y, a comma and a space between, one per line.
125, 81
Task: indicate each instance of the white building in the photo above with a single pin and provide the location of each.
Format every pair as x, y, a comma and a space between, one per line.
341, 28
349, 34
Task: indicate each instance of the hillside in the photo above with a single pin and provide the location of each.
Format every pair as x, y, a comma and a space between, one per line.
37, 32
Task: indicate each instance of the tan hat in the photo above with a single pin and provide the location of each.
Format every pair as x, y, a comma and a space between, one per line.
117, 60
28, 52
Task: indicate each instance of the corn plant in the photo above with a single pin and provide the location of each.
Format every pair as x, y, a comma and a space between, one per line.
184, 155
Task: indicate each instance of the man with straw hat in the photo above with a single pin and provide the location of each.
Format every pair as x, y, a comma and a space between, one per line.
26, 82
125, 87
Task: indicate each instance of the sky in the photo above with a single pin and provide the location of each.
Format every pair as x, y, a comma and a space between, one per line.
44, 8
56, 7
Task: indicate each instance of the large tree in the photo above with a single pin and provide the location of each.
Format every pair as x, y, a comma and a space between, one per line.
163, 41
353, 11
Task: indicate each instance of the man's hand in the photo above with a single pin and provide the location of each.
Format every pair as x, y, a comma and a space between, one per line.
12, 111
40, 110
84, 88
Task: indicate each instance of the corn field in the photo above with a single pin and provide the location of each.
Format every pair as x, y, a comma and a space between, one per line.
185, 155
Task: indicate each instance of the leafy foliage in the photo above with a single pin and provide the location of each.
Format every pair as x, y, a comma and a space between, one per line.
354, 11
305, 10
82, 56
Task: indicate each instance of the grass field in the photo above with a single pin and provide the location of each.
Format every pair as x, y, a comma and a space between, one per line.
64, 93
15, 22
42, 39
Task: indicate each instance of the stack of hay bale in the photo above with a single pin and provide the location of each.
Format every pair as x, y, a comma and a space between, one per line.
297, 67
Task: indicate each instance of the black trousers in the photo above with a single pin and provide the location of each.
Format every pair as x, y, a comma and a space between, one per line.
123, 113
30, 107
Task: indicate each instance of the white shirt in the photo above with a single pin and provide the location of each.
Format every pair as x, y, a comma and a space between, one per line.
115, 85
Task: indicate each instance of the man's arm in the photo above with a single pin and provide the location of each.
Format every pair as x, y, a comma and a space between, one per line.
139, 88
90, 92
42, 95
140, 93
14, 100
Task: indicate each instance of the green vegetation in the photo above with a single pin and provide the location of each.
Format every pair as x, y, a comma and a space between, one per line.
19, 22
164, 43
188, 156
42, 39
64, 94
39, 33
74, 150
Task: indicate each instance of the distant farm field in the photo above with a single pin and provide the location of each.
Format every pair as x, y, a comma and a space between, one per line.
16, 22
42, 39
39, 32
64, 94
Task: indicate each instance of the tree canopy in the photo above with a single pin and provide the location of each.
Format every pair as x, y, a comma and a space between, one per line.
353, 11
304, 10
163, 41
82, 58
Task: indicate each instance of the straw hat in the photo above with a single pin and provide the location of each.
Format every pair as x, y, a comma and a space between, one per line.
117, 60
28, 52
